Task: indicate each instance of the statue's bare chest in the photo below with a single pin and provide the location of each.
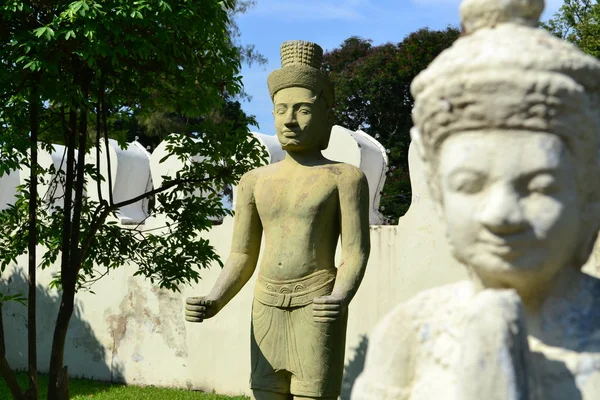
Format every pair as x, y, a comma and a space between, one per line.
303, 196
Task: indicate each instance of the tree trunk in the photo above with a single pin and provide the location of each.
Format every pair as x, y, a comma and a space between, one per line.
58, 383
7, 373
31, 303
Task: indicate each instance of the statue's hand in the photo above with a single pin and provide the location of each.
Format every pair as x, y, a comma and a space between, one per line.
495, 361
328, 308
197, 309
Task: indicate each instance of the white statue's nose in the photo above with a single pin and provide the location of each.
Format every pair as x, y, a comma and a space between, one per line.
502, 213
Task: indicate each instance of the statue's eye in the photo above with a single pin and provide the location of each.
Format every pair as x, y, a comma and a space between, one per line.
280, 110
542, 183
304, 111
466, 182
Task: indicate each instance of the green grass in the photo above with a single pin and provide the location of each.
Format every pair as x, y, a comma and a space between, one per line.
81, 389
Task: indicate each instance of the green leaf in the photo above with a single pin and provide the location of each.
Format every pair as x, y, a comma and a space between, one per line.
40, 31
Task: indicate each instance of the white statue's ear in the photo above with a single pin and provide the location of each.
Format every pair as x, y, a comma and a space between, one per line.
432, 188
415, 136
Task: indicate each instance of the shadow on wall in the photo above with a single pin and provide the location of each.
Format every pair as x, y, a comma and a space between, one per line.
354, 367
82, 347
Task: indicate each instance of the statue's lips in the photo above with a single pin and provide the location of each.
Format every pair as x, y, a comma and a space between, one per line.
507, 247
291, 134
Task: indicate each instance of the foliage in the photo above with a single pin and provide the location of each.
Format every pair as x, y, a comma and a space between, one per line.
578, 21
151, 126
71, 71
372, 86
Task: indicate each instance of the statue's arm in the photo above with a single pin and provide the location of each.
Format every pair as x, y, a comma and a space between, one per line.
354, 206
353, 191
245, 246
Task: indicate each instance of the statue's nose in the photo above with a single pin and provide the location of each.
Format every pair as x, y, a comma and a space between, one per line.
502, 212
290, 118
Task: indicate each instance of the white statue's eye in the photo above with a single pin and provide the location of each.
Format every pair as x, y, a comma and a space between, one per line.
542, 183
466, 182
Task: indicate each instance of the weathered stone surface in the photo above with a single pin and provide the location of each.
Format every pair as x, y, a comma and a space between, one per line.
302, 205
507, 123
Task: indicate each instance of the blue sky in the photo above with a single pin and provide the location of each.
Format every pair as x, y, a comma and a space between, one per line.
329, 23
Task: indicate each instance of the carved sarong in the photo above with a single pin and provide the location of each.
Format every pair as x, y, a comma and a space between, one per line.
290, 352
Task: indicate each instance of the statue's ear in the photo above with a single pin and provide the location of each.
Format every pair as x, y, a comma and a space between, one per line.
417, 139
426, 164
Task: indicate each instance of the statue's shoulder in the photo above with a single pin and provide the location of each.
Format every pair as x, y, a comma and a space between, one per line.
439, 303
248, 180
252, 176
346, 173
433, 305
344, 168
403, 338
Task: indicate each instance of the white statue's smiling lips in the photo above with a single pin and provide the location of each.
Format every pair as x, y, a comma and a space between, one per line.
507, 247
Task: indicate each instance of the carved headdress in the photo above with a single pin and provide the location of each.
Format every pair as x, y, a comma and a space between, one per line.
504, 74
300, 63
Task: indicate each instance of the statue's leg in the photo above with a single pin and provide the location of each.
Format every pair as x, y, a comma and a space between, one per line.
319, 355
264, 395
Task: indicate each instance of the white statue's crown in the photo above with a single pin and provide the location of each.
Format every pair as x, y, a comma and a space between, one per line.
477, 14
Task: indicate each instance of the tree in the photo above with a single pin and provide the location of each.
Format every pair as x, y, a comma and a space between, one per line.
71, 68
578, 21
151, 126
372, 85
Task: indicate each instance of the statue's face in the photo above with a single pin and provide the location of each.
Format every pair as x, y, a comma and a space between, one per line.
301, 120
510, 204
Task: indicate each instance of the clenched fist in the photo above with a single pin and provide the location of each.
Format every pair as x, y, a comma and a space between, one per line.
197, 309
328, 308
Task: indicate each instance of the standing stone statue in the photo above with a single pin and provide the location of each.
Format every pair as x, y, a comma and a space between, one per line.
507, 123
302, 204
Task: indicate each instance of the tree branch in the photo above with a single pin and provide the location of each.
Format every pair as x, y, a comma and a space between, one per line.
79, 186
107, 149
98, 221
98, 135
161, 189
68, 194
34, 124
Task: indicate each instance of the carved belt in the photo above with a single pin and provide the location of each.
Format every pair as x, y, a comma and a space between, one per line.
294, 292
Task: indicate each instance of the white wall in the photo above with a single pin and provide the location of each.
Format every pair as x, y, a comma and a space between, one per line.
134, 332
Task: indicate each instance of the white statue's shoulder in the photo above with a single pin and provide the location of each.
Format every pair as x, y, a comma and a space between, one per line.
396, 344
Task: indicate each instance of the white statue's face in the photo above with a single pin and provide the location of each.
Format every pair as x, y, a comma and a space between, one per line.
510, 204
300, 120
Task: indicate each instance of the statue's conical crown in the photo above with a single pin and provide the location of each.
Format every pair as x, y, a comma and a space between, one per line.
300, 67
